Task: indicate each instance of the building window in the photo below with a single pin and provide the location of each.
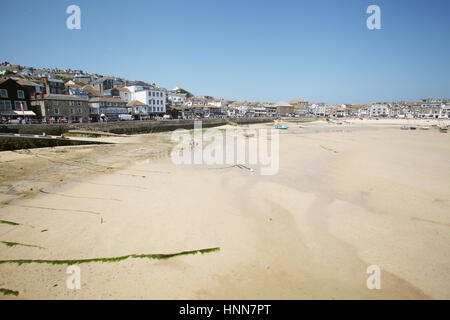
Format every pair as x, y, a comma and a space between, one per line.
17, 105
3, 93
71, 103
79, 110
20, 94
55, 103
5, 105
79, 103
56, 111
72, 111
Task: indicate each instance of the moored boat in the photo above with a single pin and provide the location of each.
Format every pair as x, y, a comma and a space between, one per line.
281, 127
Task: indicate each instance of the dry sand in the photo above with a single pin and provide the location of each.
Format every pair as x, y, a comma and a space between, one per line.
346, 197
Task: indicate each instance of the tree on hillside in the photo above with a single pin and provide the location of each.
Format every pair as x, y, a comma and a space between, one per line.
188, 94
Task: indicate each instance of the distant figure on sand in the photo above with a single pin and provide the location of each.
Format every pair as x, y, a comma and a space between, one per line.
193, 144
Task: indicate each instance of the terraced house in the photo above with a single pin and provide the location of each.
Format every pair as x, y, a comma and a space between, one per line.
62, 108
379, 110
14, 100
107, 108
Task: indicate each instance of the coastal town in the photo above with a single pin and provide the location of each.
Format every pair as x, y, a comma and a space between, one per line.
225, 159
51, 95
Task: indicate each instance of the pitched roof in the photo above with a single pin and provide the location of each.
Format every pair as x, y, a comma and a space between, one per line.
28, 83
135, 103
100, 80
282, 104
91, 90
106, 99
65, 97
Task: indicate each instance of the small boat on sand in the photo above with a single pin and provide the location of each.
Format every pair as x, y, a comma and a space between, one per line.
443, 129
281, 127
404, 128
412, 128
424, 128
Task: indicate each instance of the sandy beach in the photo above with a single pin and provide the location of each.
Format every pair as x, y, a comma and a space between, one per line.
346, 196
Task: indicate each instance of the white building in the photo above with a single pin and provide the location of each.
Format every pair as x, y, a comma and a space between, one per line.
379, 110
322, 109
196, 101
177, 98
363, 111
259, 111
445, 111
138, 110
434, 110
232, 111
243, 109
125, 94
152, 96
219, 104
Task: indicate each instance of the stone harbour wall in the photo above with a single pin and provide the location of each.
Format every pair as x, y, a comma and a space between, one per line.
129, 127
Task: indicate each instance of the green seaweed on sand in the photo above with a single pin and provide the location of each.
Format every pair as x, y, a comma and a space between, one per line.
113, 259
300, 121
328, 149
13, 244
10, 223
7, 292
82, 134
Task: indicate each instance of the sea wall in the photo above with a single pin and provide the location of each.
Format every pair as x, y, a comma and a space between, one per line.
15, 143
129, 127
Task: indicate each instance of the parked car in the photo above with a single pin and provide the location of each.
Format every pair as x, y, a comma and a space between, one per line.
125, 117
5, 129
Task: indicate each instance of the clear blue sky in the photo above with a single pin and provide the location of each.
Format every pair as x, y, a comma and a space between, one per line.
247, 49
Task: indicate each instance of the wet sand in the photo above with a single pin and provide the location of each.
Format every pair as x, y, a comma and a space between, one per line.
346, 196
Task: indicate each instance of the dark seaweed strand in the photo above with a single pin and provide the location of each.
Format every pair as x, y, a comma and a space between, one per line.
13, 244
10, 223
114, 259
7, 292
